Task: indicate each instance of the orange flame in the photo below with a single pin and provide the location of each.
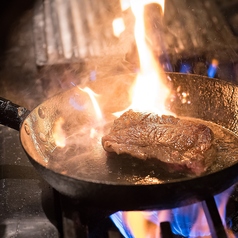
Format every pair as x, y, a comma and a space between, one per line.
140, 224
118, 26
125, 4
137, 223
149, 92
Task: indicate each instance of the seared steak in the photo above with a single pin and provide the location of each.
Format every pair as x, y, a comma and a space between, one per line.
180, 144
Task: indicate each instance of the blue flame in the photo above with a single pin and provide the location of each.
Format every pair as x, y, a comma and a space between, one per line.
212, 70
76, 105
167, 67
93, 75
185, 68
117, 218
182, 219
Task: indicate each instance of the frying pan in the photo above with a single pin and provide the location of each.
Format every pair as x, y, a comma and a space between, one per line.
82, 170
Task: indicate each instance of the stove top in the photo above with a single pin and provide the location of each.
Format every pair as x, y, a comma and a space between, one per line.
26, 199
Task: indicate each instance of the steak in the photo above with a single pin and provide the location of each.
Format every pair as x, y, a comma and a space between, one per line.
181, 145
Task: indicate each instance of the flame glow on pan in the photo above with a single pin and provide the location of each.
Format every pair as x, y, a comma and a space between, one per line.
58, 133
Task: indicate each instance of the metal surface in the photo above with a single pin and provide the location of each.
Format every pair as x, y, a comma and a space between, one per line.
98, 181
11, 114
75, 30
71, 31
213, 218
27, 205
166, 231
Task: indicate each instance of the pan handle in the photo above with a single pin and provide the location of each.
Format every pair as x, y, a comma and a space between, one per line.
12, 115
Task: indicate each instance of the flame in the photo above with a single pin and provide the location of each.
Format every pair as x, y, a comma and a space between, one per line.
96, 106
96, 130
137, 224
118, 26
146, 223
187, 221
149, 93
211, 72
125, 4
58, 133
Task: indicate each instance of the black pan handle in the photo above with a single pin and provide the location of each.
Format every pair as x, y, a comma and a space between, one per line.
12, 115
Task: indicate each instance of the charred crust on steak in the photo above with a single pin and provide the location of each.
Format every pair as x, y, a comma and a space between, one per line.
180, 144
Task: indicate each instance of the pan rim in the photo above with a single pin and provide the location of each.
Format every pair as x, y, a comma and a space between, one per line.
174, 181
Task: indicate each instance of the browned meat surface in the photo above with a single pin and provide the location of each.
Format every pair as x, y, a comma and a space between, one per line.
180, 144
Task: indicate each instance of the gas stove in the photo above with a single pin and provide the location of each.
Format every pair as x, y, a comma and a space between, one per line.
30, 207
